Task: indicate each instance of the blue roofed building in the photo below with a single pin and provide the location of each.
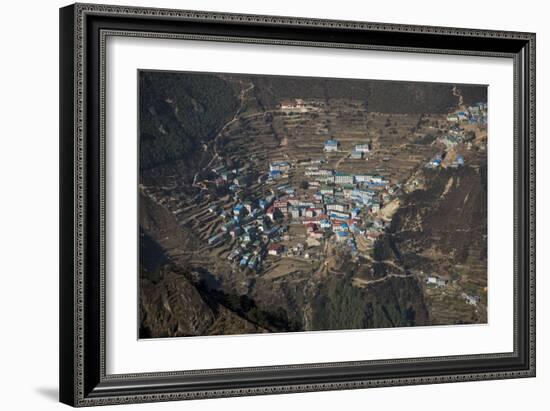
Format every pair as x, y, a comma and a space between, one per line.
238, 209
244, 260
331, 145
343, 178
325, 223
462, 115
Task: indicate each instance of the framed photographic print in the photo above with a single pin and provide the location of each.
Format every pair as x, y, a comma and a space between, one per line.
261, 204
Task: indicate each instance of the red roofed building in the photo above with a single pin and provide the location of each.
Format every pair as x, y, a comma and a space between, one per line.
275, 249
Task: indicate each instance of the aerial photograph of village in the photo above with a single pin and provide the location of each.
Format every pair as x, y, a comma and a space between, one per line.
283, 204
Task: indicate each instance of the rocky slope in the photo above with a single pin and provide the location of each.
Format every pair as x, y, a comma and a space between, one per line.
442, 231
174, 307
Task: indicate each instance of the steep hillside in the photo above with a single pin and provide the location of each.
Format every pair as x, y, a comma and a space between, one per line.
174, 307
178, 299
382, 96
396, 302
442, 232
450, 217
177, 113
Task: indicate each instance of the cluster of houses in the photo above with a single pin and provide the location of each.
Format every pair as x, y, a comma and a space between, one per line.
334, 205
337, 205
254, 230
234, 178
475, 114
435, 161
438, 282
358, 152
454, 136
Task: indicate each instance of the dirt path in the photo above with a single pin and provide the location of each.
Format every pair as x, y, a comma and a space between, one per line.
458, 93
447, 188
360, 282
242, 98
347, 154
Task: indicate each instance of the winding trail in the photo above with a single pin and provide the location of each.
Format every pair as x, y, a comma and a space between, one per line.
242, 97
347, 154
458, 93
366, 283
